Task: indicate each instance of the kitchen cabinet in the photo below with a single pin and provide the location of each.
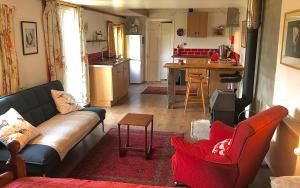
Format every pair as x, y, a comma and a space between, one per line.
197, 24
108, 83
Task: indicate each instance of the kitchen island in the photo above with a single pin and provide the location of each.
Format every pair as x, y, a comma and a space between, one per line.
109, 81
214, 68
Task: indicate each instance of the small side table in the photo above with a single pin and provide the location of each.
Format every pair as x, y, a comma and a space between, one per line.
142, 120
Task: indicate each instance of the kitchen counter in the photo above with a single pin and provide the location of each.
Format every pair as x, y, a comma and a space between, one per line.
215, 68
209, 66
190, 56
109, 62
109, 82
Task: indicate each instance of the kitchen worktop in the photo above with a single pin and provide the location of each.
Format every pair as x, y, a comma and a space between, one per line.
214, 65
108, 62
190, 56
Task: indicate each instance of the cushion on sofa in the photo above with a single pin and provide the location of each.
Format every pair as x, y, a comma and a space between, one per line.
63, 132
222, 147
65, 102
14, 127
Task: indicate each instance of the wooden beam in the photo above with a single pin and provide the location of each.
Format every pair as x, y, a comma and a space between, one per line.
144, 12
103, 12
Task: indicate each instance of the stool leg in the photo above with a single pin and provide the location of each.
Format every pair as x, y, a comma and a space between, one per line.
202, 95
187, 94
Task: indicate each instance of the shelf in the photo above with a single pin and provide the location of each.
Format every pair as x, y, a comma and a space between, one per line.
102, 40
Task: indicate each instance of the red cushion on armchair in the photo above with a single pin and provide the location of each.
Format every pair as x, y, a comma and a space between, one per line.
196, 166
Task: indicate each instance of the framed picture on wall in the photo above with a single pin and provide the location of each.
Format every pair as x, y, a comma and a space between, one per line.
29, 37
290, 54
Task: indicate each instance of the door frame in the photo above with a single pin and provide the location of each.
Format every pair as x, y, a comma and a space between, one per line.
147, 47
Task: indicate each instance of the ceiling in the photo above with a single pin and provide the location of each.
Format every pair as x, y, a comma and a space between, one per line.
121, 7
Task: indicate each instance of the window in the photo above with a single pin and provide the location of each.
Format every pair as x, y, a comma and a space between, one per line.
116, 39
75, 75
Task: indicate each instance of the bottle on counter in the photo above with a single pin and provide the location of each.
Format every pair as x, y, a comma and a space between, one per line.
178, 49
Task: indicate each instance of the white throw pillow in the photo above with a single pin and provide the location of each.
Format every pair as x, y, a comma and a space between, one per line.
65, 103
13, 127
285, 181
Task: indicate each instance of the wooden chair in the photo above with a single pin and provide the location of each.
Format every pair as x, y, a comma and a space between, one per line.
196, 78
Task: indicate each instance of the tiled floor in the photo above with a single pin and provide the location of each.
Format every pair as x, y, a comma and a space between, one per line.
173, 120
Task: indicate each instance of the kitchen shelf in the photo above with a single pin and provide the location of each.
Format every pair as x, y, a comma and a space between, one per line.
102, 40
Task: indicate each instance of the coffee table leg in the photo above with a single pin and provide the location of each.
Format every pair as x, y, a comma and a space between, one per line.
146, 144
127, 145
119, 136
151, 136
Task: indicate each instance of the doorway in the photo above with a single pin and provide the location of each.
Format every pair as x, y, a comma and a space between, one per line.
160, 49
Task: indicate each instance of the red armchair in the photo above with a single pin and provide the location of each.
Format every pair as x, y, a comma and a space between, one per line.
195, 165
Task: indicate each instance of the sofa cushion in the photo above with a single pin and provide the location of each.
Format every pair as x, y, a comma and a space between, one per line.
222, 147
13, 127
99, 111
35, 104
63, 132
65, 102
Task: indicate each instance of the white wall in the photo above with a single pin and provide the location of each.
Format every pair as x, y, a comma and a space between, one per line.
287, 87
97, 21
216, 17
33, 68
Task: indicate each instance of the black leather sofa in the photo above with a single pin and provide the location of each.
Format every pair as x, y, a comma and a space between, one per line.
36, 106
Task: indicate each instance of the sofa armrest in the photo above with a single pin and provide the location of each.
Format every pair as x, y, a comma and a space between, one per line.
220, 131
198, 153
99, 111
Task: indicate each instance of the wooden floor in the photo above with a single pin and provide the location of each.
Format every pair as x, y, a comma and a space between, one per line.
172, 120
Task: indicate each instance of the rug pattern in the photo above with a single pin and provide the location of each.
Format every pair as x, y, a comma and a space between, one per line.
104, 163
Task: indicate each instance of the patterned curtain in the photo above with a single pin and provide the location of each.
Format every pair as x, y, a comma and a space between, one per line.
53, 41
111, 39
85, 92
121, 41
8, 58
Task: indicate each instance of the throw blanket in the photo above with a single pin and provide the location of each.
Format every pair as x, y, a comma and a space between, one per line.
32, 182
63, 132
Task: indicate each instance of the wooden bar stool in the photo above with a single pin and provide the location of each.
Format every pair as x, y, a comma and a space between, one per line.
200, 80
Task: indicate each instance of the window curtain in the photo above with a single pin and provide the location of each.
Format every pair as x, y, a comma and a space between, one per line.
76, 77
121, 41
8, 58
85, 92
111, 39
53, 41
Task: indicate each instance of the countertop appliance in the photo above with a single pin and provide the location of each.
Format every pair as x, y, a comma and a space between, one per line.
135, 49
223, 49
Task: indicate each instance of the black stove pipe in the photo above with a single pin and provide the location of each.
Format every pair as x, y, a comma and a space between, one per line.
253, 23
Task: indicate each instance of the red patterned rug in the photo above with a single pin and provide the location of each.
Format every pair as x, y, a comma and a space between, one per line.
103, 161
162, 90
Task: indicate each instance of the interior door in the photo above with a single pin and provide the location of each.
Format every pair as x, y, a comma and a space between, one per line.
153, 55
161, 37
166, 47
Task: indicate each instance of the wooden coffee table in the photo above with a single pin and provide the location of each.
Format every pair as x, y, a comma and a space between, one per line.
142, 120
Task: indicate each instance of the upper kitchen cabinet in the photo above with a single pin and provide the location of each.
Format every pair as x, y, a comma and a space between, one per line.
197, 24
